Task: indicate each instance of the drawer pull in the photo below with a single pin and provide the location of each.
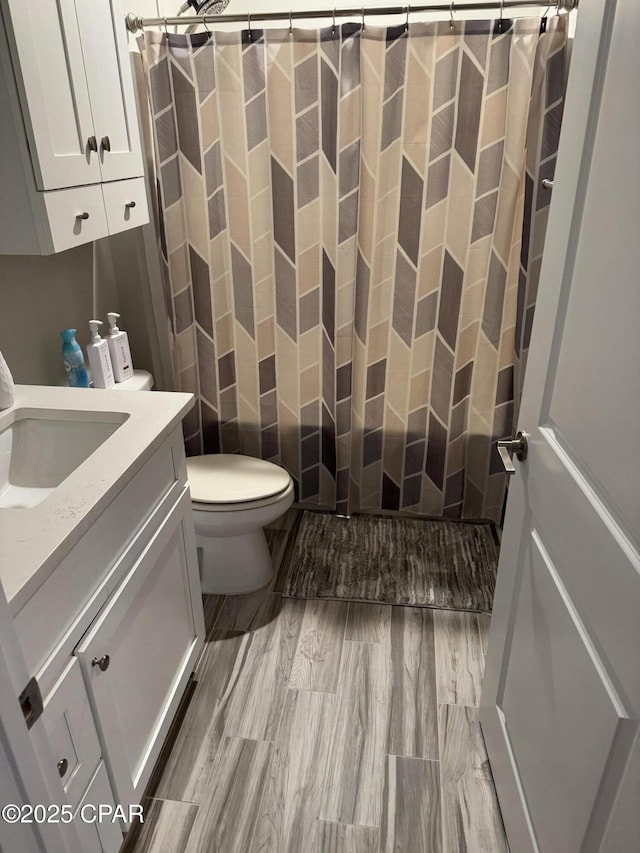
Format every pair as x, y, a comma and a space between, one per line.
130, 204
83, 215
102, 663
63, 766
105, 144
92, 144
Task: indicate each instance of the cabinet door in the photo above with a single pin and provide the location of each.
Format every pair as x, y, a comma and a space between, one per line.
125, 203
97, 836
108, 71
152, 631
72, 735
49, 69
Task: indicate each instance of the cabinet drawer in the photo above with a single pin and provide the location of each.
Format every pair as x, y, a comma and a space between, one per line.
97, 836
71, 732
125, 203
65, 209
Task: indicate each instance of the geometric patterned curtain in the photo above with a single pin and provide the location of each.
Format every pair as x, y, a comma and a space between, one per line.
352, 229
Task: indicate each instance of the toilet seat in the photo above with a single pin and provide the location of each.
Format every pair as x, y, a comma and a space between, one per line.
227, 481
239, 506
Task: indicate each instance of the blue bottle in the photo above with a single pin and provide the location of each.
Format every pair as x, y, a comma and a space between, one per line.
74, 360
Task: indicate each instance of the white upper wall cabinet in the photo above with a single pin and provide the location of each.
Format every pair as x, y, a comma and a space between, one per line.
72, 69
69, 125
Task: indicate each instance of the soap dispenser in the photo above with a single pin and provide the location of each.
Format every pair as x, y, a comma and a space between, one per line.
99, 358
7, 390
119, 350
73, 359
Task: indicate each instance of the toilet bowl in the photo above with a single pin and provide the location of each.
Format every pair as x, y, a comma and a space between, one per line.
233, 498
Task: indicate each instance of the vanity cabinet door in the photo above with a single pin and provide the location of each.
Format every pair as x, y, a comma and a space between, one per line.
54, 97
140, 651
71, 732
104, 836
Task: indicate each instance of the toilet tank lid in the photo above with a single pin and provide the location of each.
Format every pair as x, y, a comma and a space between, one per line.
141, 380
230, 478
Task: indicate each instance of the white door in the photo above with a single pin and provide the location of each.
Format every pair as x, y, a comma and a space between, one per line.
140, 651
49, 68
106, 58
561, 697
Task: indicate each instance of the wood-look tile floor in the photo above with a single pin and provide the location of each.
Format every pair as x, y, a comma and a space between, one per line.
328, 727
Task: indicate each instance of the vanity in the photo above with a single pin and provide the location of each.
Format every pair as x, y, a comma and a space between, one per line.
99, 569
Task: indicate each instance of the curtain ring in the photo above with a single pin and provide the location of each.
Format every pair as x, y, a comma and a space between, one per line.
451, 16
333, 28
406, 23
290, 22
204, 24
501, 14
363, 19
558, 7
249, 26
166, 31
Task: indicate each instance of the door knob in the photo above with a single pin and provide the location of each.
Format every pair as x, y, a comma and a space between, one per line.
102, 663
517, 446
92, 143
105, 143
63, 766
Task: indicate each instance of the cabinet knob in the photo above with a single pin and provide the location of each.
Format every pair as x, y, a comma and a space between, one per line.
63, 766
105, 144
92, 143
83, 215
102, 663
130, 204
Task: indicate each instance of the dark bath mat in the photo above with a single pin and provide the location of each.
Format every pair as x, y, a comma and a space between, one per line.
393, 560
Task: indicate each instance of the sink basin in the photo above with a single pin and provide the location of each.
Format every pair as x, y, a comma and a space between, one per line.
41, 448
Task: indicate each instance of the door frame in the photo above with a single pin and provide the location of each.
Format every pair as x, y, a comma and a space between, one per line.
33, 776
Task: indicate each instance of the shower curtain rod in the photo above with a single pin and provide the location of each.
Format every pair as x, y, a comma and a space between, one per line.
136, 22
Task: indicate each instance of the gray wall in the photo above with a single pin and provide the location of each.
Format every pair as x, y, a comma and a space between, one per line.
40, 296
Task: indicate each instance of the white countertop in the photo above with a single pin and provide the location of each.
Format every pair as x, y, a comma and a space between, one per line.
33, 541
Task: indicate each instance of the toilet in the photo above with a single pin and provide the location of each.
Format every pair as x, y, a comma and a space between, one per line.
233, 498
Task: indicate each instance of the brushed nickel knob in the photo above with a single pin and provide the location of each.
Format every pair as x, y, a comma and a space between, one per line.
92, 143
105, 144
63, 766
102, 663
83, 215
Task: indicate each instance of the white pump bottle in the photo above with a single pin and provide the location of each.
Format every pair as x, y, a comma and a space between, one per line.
119, 350
99, 358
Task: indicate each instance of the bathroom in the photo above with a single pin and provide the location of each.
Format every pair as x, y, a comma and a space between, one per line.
297, 596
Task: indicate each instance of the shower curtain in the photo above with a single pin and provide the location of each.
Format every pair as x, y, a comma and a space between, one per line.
352, 224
